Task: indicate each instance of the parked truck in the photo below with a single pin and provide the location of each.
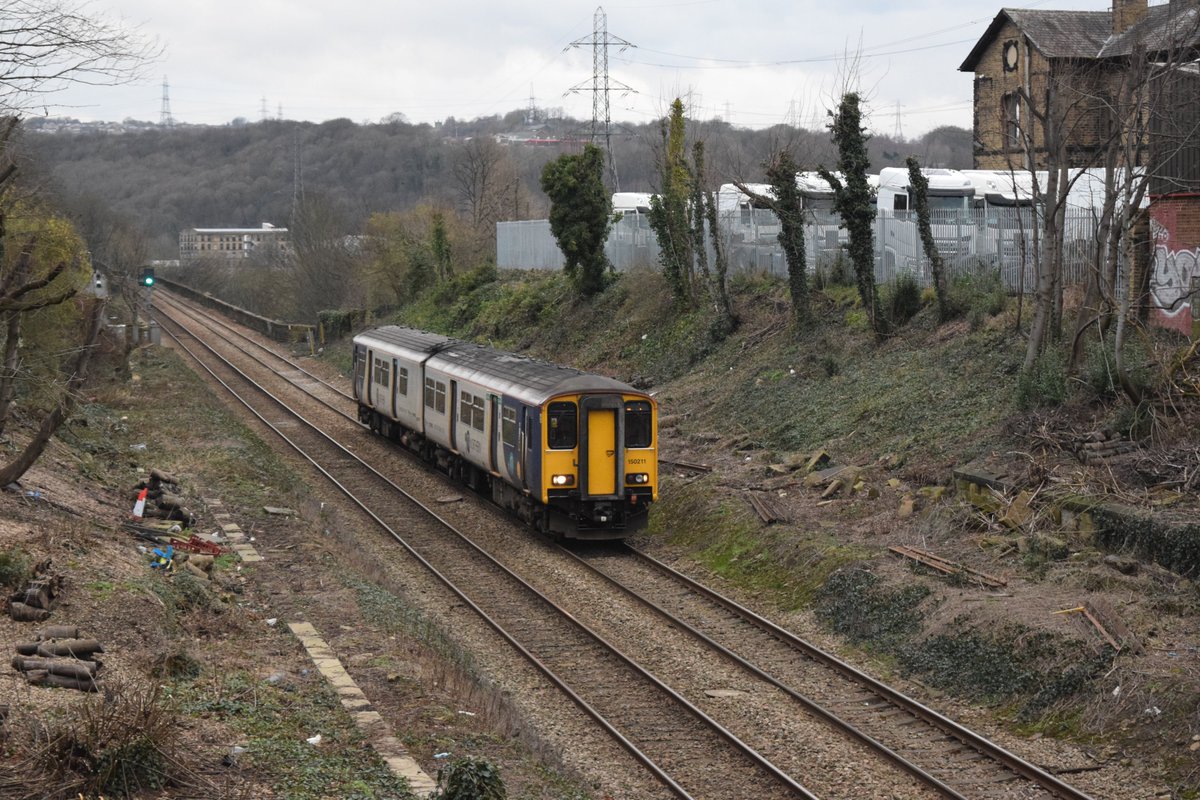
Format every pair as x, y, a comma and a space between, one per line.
949, 196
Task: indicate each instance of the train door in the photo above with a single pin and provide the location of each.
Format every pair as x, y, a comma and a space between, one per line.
360, 357
453, 416
395, 387
494, 433
602, 447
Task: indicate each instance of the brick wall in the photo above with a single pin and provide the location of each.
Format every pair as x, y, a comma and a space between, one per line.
1175, 228
1078, 85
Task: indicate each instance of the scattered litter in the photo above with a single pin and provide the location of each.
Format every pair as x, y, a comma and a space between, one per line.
158, 496
1152, 711
467, 713
272, 621
279, 512
163, 559
314, 740
1117, 691
36, 495
137, 448
441, 755
230, 758
174, 529
275, 677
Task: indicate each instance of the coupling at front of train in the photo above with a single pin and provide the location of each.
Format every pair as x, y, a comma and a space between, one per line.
572, 453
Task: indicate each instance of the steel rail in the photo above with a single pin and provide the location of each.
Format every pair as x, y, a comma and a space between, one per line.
1029, 771
811, 705
594, 713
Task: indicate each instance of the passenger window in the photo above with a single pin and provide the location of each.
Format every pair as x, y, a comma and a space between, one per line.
402, 381
900, 202
639, 424
470, 411
563, 433
508, 427
477, 413
435, 395
382, 372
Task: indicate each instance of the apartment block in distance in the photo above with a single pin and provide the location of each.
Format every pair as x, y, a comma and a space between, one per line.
232, 244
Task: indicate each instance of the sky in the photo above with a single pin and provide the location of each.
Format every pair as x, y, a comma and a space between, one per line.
753, 63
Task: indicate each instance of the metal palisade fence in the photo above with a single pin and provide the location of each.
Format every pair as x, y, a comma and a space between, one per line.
1005, 239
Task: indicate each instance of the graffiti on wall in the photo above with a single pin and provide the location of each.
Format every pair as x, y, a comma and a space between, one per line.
1175, 263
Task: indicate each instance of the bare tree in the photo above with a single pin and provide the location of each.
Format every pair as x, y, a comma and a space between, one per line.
487, 181
48, 45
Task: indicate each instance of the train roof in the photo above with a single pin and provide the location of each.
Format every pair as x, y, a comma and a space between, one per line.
414, 344
513, 375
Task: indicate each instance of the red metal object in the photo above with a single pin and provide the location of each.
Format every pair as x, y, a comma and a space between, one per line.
195, 544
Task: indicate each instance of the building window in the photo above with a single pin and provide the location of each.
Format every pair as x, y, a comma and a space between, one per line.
1011, 120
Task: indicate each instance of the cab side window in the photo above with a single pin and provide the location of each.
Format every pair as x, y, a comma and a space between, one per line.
564, 426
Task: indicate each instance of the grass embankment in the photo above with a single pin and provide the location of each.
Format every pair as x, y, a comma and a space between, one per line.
207, 697
910, 408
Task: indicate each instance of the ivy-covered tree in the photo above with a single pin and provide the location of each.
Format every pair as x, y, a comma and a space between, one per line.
671, 216
788, 205
920, 190
704, 205
852, 199
580, 215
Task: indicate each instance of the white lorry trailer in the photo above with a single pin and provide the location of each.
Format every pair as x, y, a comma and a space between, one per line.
949, 196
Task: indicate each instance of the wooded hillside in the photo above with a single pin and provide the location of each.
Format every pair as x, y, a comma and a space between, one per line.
168, 179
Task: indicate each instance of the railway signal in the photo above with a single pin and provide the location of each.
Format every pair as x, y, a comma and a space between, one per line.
147, 276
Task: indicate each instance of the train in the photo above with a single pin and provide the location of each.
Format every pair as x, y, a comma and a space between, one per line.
571, 453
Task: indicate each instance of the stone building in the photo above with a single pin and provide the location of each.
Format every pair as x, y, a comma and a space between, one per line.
1082, 88
232, 244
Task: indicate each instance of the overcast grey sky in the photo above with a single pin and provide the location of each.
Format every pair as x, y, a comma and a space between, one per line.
752, 62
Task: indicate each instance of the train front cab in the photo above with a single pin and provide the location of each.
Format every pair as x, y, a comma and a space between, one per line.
599, 464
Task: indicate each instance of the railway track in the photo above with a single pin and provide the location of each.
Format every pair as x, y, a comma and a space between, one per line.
945, 755
949, 760
689, 752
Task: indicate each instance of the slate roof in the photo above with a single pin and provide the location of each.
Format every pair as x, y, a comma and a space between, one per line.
1163, 28
1088, 34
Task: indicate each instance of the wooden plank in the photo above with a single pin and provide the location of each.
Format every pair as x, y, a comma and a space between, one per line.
947, 566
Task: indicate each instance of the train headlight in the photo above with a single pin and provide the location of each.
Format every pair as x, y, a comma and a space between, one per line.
638, 477
562, 480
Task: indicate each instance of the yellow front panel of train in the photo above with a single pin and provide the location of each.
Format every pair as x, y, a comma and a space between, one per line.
602, 452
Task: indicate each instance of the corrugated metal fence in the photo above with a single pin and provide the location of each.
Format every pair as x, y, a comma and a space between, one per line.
1001, 238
